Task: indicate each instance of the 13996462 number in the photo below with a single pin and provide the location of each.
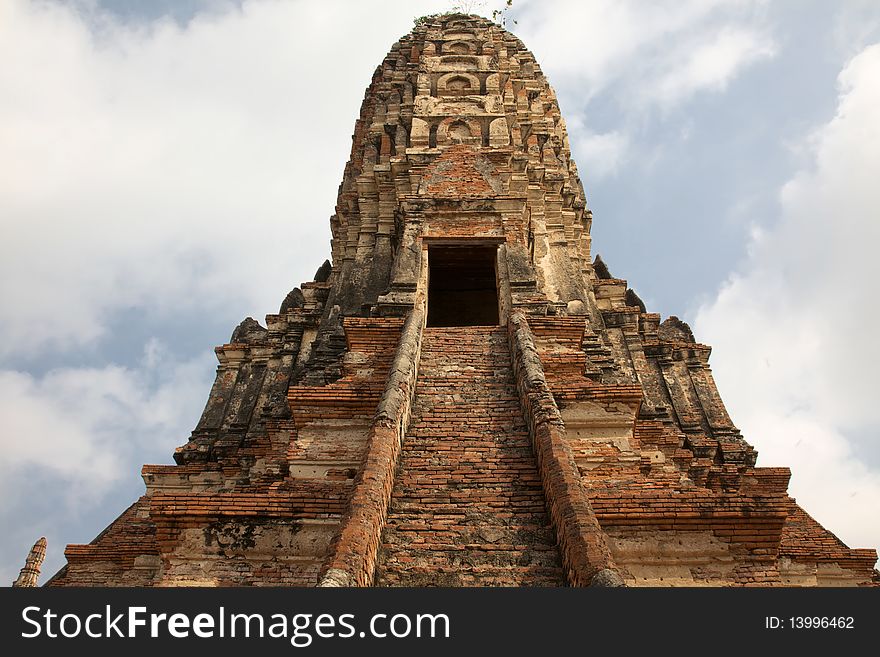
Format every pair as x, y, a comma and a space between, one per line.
821, 622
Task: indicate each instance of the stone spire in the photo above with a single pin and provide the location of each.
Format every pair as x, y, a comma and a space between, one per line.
459, 137
31, 571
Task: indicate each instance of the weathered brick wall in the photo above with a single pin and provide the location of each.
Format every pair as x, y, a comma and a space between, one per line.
674, 490
125, 554
278, 537
467, 507
353, 558
585, 553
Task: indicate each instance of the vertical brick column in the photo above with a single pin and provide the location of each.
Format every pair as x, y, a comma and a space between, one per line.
586, 557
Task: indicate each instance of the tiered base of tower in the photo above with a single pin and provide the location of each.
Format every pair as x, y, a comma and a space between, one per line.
469, 501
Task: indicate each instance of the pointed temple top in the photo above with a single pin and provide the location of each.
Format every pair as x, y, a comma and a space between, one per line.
459, 111
31, 571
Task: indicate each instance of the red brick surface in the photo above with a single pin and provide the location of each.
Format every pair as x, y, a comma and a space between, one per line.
467, 507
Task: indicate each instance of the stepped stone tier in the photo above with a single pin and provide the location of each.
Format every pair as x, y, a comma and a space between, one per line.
465, 397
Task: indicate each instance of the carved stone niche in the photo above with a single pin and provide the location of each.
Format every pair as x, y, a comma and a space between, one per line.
458, 84
455, 130
493, 84
420, 132
458, 48
499, 134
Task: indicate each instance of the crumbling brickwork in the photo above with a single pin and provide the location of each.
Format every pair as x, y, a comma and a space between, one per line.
578, 441
467, 506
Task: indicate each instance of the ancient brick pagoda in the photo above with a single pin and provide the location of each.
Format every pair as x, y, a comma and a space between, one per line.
464, 398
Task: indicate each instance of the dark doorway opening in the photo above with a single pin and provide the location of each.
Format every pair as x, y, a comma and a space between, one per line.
462, 286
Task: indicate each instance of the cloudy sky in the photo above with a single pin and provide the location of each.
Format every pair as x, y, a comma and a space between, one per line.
169, 167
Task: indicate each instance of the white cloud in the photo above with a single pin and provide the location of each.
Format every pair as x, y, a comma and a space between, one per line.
708, 62
599, 154
213, 151
165, 166
72, 442
87, 428
795, 352
647, 54
642, 59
